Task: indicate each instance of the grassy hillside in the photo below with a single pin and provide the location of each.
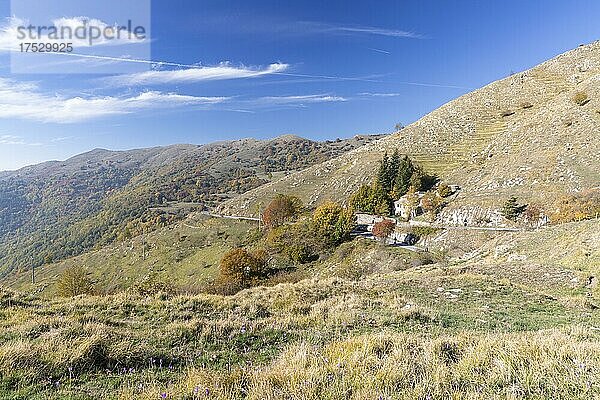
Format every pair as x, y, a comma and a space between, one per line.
528, 135
425, 331
186, 254
55, 210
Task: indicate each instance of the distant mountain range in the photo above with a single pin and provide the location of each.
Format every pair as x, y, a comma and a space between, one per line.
59, 209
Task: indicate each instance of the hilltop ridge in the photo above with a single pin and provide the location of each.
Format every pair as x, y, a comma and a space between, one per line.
524, 135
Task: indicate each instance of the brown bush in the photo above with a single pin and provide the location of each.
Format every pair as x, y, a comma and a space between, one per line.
280, 210
383, 229
533, 212
240, 268
579, 207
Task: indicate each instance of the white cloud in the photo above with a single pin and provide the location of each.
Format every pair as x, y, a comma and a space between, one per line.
379, 50
11, 33
61, 139
197, 74
376, 31
25, 101
16, 140
319, 27
312, 98
370, 94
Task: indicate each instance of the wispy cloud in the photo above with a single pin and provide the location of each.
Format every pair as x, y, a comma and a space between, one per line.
435, 85
377, 31
299, 100
24, 100
379, 50
321, 27
16, 140
222, 71
61, 139
369, 94
197, 72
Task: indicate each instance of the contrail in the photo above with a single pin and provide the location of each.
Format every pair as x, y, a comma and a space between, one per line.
433, 85
131, 60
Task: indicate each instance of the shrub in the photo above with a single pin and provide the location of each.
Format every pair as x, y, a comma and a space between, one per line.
74, 281
581, 98
299, 253
511, 210
240, 268
151, 285
424, 231
297, 242
383, 229
372, 199
579, 207
432, 203
333, 223
444, 190
280, 210
526, 105
533, 212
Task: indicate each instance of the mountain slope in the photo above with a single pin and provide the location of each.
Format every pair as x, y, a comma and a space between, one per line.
58, 209
525, 135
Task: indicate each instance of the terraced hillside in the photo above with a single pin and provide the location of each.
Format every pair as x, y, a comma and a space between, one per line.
528, 135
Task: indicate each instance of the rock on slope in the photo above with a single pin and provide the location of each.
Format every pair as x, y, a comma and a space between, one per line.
524, 135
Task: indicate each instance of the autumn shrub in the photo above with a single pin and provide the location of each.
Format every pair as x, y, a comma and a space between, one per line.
383, 229
74, 281
295, 242
333, 223
444, 190
281, 209
240, 268
432, 203
533, 213
578, 207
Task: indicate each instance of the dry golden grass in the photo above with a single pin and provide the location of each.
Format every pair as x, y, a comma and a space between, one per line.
423, 331
552, 364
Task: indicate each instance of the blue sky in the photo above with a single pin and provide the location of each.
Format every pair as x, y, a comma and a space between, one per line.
313, 68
